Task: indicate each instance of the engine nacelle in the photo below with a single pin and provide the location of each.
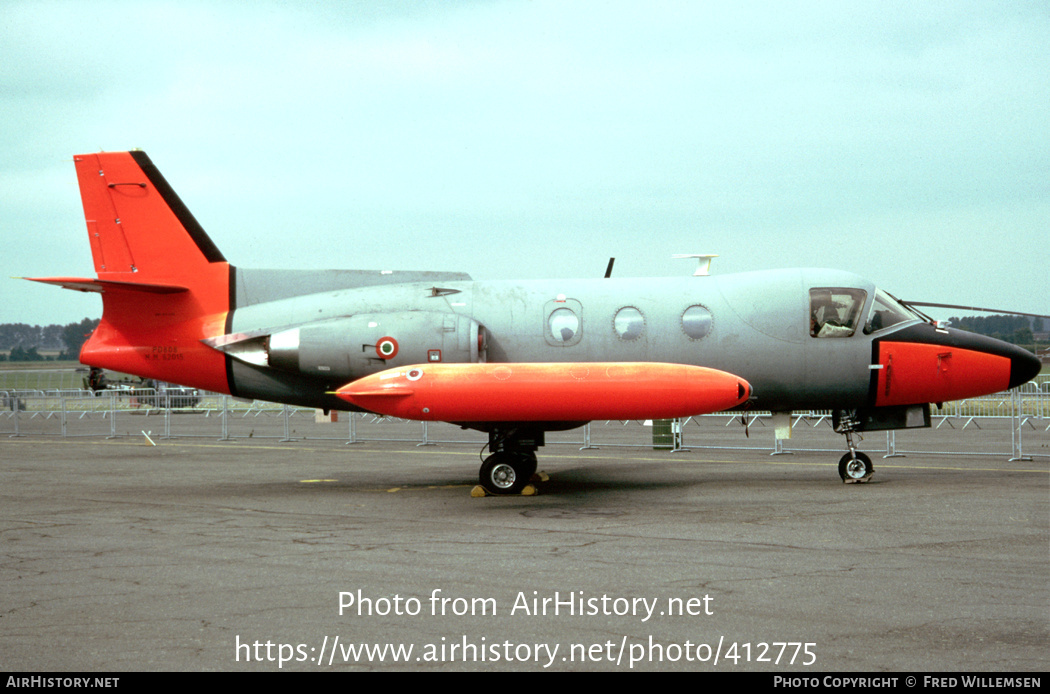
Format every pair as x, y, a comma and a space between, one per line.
355, 346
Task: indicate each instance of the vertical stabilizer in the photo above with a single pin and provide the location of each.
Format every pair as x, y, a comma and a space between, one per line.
138, 227
164, 284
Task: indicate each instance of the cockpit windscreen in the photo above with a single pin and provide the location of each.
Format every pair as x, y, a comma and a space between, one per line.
887, 311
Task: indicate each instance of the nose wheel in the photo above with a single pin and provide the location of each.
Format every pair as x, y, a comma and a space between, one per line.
854, 467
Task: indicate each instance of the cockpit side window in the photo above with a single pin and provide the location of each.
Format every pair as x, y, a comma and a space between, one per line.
886, 311
835, 311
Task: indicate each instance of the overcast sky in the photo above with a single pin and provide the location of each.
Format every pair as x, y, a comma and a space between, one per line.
908, 142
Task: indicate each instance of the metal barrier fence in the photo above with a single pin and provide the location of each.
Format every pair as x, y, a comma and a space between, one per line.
42, 377
1015, 423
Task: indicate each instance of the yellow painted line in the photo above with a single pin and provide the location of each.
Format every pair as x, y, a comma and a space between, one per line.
392, 490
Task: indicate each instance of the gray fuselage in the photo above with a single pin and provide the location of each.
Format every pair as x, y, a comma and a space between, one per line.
755, 325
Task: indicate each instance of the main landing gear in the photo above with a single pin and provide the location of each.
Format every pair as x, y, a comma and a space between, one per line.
510, 467
854, 467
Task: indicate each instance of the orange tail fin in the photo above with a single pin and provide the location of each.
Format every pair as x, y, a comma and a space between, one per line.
164, 284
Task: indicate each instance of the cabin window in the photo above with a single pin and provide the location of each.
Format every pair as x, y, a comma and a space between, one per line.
696, 322
835, 311
563, 325
629, 323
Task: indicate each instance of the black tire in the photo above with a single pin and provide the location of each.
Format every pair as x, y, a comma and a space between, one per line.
506, 473
855, 469
529, 466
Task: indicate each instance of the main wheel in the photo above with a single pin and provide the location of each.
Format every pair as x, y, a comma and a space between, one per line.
855, 467
506, 473
528, 465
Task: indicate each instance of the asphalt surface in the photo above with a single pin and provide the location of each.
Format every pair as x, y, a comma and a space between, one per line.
198, 554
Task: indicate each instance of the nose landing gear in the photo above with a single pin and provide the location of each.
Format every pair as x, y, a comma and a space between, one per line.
854, 467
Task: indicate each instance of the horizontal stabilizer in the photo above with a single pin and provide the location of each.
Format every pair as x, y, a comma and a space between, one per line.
87, 284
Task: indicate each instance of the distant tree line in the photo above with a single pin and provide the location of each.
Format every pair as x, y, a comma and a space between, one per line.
1019, 330
25, 342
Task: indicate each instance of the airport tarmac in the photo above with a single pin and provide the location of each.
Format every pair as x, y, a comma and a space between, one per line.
196, 554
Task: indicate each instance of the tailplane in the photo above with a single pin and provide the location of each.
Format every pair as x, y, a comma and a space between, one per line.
164, 284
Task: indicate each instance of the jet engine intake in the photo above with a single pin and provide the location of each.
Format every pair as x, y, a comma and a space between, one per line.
354, 346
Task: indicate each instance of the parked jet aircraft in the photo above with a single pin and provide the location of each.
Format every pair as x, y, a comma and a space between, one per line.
514, 359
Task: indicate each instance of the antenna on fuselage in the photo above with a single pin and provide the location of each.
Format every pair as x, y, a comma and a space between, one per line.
704, 262
608, 269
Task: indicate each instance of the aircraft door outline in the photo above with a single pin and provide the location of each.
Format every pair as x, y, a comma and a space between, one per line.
563, 322
838, 359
